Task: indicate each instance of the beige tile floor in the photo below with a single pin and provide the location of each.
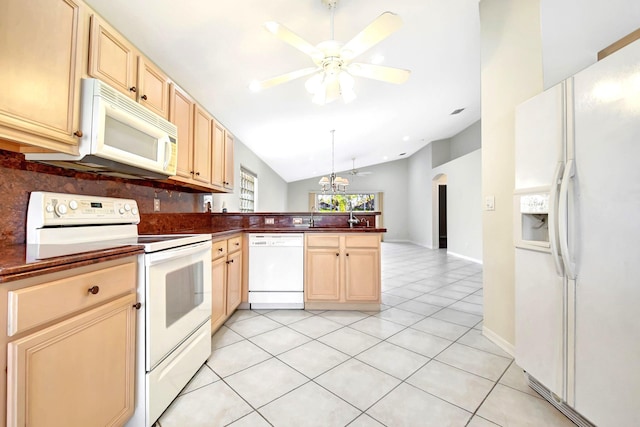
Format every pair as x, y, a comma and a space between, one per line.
421, 361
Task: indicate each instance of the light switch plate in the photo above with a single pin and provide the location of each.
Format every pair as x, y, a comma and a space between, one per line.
489, 203
269, 221
156, 205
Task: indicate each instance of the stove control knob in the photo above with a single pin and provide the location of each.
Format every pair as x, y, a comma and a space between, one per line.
61, 209
127, 207
121, 210
49, 208
134, 211
73, 205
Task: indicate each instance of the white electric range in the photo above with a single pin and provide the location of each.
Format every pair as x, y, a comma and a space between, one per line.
174, 286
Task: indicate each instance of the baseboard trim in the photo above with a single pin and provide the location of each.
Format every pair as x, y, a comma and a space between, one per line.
499, 341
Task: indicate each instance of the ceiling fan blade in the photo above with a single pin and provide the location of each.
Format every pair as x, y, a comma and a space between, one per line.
288, 36
283, 78
381, 28
380, 72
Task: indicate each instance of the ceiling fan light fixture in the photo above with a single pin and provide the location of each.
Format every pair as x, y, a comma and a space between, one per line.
314, 83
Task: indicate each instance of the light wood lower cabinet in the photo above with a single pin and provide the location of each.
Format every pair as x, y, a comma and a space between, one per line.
71, 350
226, 266
342, 269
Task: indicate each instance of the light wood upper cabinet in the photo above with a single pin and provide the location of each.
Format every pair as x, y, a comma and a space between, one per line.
40, 71
112, 58
228, 161
202, 140
181, 111
153, 88
217, 172
117, 62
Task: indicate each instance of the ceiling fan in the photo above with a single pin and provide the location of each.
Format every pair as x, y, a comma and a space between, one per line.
356, 172
333, 71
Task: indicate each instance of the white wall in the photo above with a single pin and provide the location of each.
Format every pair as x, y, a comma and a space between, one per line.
574, 31
467, 141
511, 72
420, 206
389, 178
464, 205
272, 189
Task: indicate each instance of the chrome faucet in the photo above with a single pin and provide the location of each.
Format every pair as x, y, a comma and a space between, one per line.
352, 219
312, 209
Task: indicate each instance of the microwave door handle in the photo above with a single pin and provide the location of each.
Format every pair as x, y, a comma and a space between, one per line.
168, 150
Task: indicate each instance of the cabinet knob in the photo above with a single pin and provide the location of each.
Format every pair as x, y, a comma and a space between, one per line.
230, 261
198, 173
347, 254
237, 244
337, 254
94, 290
137, 306
144, 97
133, 89
78, 133
220, 249
191, 172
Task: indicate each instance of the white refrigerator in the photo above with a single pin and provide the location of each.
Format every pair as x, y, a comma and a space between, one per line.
577, 242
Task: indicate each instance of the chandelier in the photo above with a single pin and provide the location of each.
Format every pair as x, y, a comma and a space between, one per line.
333, 183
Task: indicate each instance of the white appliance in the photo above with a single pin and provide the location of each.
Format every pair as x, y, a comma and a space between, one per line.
276, 270
119, 137
577, 239
173, 337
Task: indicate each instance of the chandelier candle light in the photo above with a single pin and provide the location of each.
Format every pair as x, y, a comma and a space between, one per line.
333, 183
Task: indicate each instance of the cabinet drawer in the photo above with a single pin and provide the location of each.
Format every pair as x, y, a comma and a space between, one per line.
36, 305
218, 249
234, 243
325, 241
360, 241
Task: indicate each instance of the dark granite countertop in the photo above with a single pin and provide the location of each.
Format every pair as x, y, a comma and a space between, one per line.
19, 262
16, 262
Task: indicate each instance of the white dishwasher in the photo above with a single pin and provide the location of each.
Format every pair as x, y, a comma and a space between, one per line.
276, 270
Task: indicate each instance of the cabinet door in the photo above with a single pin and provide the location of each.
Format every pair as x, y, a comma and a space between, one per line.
79, 372
217, 172
111, 58
228, 161
234, 281
218, 293
153, 88
40, 71
362, 275
322, 281
181, 109
202, 145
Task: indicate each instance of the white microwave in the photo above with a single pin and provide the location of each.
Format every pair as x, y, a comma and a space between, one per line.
119, 137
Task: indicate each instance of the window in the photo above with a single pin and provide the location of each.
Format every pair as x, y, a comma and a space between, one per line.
359, 202
248, 190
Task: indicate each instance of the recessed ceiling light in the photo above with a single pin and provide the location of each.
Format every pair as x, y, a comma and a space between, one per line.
406, 138
458, 111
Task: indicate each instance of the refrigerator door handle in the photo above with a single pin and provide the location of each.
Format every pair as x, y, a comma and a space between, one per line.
553, 218
569, 266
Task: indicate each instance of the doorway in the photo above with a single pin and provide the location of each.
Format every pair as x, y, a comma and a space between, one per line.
439, 233
442, 216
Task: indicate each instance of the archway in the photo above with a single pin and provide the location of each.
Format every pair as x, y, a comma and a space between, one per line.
439, 214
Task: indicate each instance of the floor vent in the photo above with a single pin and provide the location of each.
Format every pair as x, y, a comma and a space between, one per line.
568, 411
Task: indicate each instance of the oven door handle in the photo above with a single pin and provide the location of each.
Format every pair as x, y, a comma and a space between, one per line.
170, 254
